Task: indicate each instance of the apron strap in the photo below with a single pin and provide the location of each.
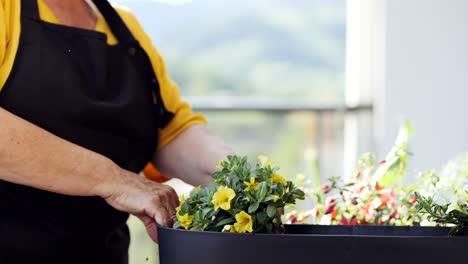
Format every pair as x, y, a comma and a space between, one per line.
129, 42
30, 9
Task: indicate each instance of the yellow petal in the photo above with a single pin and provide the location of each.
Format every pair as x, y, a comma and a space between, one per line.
223, 197
275, 198
182, 199
244, 223
219, 165
265, 161
277, 178
185, 220
178, 209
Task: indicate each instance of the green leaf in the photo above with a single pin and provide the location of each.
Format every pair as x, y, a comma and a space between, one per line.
271, 210
262, 218
253, 207
397, 159
299, 193
207, 211
262, 191
225, 222
176, 225
205, 200
217, 175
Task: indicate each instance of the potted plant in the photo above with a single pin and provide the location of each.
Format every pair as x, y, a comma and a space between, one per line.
238, 219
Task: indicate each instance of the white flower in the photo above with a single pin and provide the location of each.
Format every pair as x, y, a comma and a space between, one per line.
326, 220
228, 228
452, 207
445, 195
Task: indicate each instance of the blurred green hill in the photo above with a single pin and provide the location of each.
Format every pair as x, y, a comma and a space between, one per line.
277, 48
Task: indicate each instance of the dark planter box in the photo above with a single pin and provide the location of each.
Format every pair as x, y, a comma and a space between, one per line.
315, 244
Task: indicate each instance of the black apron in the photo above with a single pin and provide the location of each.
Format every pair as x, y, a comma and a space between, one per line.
104, 98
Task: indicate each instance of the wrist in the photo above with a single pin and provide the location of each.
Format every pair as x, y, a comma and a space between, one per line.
109, 176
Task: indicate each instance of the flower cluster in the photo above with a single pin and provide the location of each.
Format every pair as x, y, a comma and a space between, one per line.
369, 196
443, 196
242, 199
360, 201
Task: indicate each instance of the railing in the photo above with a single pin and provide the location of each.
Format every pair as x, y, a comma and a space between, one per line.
325, 129
269, 105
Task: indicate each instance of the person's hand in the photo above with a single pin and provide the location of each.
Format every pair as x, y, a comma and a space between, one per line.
153, 203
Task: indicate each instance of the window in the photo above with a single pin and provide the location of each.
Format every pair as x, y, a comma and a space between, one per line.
261, 70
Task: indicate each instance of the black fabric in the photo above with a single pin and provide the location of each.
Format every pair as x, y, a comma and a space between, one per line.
131, 44
71, 83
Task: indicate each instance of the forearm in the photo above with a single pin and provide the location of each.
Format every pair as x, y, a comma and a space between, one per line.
192, 156
34, 157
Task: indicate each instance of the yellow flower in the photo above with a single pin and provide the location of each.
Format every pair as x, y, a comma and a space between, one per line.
182, 199
244, 223
223, 197
219, 165
265, 161
185, 220
251, 185
275, 198
277, 178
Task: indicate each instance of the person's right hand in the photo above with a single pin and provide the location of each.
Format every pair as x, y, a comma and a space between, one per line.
153, 203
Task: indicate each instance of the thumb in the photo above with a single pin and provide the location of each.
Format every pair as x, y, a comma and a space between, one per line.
151, 227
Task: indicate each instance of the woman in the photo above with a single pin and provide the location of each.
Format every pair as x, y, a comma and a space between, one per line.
85, 104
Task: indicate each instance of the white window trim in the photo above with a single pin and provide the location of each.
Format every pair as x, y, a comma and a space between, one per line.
365, 74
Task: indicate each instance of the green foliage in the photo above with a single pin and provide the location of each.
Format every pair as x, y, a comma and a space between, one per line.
241, 199
397, 159
442, 196
455, 215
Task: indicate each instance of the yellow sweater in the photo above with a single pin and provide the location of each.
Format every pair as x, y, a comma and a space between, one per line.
9, 39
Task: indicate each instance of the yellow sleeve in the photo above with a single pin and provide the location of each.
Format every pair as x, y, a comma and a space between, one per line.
184, 116
2, 34
9, 37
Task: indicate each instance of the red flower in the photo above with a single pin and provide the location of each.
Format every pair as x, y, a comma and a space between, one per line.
331, 200
393, 215
378, 187
382, 162
413, 200
333, 214
384, 200
330, 210
344, 221
360, 189
326, 188
364, 211
353, 221
358, 175
291, 217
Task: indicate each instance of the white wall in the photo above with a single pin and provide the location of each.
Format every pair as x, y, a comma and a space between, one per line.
425, 78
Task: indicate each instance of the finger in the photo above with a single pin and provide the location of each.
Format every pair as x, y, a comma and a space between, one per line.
151, 227
173, 219
171, 210
162, 216
173, 198
172, 201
